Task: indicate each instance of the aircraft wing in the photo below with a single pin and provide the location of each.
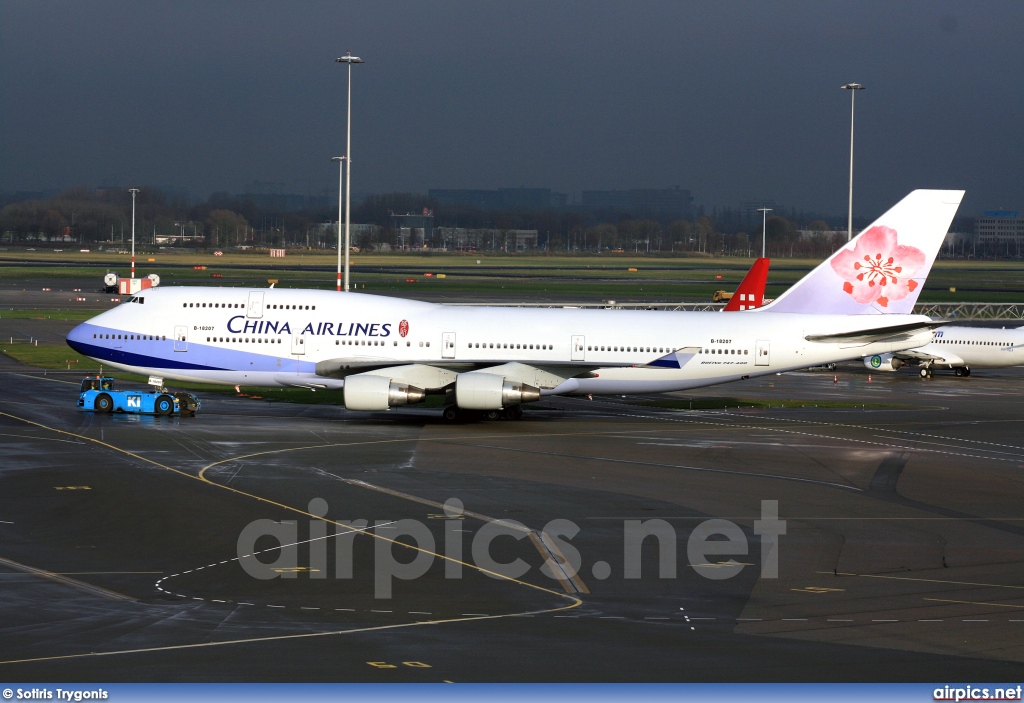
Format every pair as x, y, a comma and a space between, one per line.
436, 374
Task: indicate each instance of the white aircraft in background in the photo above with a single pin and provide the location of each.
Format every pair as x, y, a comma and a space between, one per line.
959, 348
388, 352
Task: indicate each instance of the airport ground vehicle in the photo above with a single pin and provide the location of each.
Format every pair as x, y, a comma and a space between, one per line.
98, 393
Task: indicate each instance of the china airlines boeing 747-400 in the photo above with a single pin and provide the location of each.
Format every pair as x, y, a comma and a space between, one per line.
388, 352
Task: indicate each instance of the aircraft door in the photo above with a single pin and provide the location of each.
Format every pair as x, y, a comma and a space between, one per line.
255, 309
448, 345
298, 344
181, 338
579, 352
762, 355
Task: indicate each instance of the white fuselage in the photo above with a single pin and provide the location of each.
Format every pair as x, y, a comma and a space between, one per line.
977, 347
278, 337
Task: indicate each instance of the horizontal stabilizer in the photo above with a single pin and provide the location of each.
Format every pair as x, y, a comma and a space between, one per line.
892, 333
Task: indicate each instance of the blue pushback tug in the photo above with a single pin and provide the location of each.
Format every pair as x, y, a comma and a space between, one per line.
98, 393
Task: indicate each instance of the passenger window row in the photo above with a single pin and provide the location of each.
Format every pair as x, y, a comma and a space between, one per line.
139, 337
237, 305
245, 340
743, 352
974, 343
658, 350
493, 345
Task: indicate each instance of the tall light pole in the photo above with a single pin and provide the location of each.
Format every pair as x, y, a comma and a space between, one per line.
133, 191
349, 59
341, 183
764, 227
853, 88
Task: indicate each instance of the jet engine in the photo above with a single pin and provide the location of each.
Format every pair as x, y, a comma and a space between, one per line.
883, 362
478, 390
367, 392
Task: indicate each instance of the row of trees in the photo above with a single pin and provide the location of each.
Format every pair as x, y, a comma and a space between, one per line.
104, 217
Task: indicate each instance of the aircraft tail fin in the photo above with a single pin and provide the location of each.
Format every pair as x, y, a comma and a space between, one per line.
884, 267
750, 293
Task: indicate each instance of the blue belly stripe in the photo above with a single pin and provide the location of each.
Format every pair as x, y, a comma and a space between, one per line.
119, 356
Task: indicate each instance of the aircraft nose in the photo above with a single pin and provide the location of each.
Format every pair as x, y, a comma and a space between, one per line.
76, 338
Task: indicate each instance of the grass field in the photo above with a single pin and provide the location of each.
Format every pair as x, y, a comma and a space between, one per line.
515, 276
70, 315
743, 403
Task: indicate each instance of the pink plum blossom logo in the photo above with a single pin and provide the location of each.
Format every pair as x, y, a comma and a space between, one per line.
879, 268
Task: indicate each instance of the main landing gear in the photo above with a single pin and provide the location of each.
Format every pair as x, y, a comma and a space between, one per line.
963, 371
453, 413
926, 372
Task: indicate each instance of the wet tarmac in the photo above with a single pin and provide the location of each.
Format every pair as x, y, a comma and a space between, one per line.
901, 560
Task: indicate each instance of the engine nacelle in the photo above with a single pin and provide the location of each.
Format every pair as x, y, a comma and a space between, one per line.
478, 390
366, 392
883, 362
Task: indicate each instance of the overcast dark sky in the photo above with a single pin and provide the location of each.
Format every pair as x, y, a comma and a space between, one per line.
734, 100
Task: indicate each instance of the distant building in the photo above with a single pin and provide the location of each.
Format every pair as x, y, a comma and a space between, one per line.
811, 234
415, 231
675, 202
997, 227
463, 239
501, 199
